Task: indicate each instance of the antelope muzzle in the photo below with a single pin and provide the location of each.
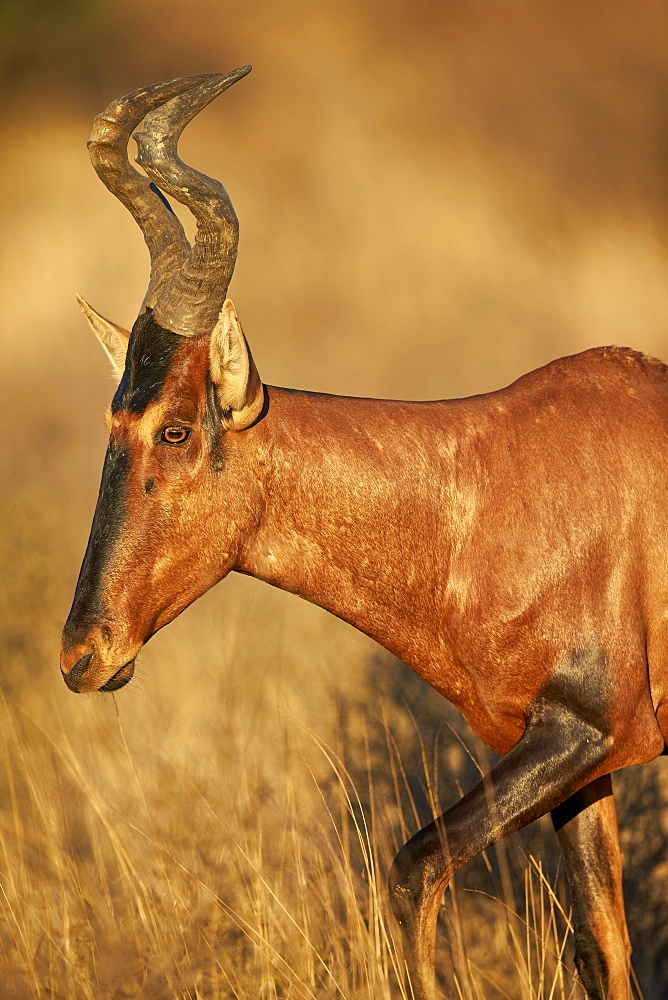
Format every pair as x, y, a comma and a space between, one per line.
92, 661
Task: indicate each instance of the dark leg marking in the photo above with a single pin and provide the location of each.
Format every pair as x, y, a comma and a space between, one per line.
564, 745
577, 803
587, 830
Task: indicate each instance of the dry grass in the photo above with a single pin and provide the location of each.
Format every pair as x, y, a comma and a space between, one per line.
230, 852
218, 830
434, 198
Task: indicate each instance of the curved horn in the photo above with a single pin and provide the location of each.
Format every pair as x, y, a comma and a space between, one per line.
163, 233
190, 302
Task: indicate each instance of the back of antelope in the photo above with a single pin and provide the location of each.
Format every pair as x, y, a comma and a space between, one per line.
510, 548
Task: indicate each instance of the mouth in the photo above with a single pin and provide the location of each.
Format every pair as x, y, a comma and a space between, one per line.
88, 672
120, 678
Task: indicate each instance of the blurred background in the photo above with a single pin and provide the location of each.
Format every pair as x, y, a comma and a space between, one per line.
434, 198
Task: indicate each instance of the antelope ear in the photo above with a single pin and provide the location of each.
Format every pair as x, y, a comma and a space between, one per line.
233, 371
113, 338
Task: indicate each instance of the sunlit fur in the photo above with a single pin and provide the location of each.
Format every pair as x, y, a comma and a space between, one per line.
510, 548
489, 543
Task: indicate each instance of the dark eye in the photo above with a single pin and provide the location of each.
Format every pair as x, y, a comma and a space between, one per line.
175, 435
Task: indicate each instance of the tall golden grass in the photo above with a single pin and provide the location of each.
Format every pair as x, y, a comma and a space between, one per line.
433, 199
199, 837
230, 852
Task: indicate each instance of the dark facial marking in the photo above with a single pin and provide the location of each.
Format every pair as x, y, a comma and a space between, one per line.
150, 354
213, 418
109, 518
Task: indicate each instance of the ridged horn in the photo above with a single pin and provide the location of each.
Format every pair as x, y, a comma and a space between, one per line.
190, 302
163, 233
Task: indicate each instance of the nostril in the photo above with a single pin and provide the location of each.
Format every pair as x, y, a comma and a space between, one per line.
73, 678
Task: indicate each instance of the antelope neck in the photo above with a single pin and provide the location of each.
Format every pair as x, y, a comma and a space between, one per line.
342, 481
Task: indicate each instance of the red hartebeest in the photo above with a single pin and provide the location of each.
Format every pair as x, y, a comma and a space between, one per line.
511, 548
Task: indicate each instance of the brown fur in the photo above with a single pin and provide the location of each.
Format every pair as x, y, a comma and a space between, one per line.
480, 540
511, 548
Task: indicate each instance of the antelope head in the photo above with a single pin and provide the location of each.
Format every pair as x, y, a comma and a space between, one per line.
187, 390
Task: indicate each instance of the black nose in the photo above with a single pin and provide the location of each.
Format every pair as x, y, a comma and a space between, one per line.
73, 678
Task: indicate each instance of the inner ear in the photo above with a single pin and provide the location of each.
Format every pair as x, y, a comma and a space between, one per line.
114, 338
233, 371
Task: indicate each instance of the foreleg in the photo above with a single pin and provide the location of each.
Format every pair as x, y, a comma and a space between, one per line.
561, 750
